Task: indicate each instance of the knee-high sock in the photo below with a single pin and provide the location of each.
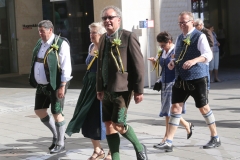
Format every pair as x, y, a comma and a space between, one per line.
131, 136
209, 118
50, 123
60, 127
174, 119
113, 144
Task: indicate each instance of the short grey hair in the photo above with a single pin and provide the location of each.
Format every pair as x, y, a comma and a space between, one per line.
199, 21
116, 9
100, 29
46, 24
187, 13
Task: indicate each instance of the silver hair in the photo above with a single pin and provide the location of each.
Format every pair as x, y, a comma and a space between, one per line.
199, 21
116, 9
100, 29
187, 13
46, 24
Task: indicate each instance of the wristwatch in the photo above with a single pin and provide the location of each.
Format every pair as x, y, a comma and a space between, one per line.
62, 84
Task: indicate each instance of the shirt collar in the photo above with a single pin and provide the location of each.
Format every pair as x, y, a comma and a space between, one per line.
50, 41
165, 54
112, 35
185, 36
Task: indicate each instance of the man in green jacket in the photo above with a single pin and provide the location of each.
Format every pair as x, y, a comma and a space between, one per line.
120, 76
50, 74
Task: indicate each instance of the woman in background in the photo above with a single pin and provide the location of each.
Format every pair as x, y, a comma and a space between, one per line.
214, 63
165, 41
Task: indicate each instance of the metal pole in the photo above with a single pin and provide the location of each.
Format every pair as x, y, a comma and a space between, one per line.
148, 55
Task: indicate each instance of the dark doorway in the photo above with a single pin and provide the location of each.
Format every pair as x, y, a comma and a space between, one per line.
71, 18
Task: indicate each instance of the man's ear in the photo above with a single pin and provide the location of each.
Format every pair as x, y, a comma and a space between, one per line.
50, 29
119, 20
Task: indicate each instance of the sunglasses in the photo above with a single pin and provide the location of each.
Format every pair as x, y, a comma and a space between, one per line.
108, 17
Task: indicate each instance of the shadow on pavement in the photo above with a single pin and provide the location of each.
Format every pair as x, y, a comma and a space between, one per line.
29, 147
197, 123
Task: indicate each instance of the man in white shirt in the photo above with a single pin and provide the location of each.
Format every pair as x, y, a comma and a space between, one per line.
192, 53
50, 74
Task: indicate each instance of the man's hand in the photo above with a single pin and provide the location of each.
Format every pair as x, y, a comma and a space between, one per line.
60, 92
171, 65
188, 64
138, 97
100, 95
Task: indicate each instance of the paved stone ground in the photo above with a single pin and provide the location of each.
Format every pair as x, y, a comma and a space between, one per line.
23, 136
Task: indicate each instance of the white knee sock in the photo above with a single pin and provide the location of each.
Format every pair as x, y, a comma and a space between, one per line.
209, 118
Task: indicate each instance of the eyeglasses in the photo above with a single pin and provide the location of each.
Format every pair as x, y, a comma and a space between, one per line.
183, 23
195, 25
108, 17
162, 45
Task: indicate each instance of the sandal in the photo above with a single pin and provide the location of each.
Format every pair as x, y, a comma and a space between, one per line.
109, 154
97, 156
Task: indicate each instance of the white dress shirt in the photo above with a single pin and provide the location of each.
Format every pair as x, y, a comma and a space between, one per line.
202, 46
64, 60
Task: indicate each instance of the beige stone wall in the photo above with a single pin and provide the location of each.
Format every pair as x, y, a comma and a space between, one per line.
27, 12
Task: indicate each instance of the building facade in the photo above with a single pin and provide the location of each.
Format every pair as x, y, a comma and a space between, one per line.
19, 19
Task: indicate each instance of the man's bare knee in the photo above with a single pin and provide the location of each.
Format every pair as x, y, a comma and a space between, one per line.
41, 113
177, 108
205, 109
118, 127
58, 117
109, 128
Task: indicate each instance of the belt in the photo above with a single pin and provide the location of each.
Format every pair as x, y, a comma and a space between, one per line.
40, 60
43, 88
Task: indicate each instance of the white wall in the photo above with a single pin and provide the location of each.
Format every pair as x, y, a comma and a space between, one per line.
134, 11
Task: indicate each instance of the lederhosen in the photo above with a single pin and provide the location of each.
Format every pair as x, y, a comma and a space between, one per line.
115, 104
192, 81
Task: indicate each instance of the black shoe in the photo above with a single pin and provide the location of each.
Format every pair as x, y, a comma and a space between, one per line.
212, 143
54, 142
143, 154
164, 146
156, 145
52, 146
191, 128
57, 149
